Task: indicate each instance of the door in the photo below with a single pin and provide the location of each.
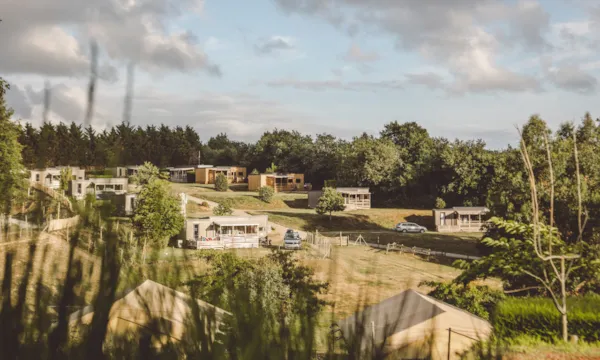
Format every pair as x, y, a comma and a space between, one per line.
196, 231
443, 219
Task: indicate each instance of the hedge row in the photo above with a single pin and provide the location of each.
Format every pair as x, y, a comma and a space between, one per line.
538, 317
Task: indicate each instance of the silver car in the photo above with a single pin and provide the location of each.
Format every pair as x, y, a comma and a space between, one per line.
407, 227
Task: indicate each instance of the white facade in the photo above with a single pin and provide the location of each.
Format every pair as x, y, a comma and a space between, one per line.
98, 186
221, 232
50, 177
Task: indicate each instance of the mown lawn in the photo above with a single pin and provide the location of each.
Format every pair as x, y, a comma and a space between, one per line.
250, 200
371, 219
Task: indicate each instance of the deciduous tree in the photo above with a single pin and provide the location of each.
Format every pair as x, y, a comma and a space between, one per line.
330, 201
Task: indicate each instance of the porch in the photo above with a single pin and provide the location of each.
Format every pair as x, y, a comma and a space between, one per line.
282, 183
460, 219
355, 201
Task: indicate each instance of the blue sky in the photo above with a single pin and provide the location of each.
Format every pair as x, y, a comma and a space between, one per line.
465, 69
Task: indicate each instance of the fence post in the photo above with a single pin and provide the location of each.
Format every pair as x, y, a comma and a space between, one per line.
449, 341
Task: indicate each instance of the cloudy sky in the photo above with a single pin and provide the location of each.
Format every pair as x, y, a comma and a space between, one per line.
460, 68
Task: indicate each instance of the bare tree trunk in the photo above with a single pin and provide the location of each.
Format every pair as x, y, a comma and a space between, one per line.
563, 290
144, 252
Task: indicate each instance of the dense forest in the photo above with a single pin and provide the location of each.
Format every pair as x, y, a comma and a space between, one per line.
404, 165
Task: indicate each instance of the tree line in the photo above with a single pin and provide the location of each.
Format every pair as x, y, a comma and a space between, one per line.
404, 166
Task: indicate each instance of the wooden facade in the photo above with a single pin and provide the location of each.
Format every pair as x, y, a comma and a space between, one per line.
354, 198
460, 219
279, 182
208, 174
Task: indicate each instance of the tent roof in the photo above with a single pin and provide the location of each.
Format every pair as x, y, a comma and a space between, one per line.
396, 314
149, 296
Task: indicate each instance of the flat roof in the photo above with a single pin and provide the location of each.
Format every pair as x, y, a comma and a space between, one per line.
360, 190
180, 168
236, 222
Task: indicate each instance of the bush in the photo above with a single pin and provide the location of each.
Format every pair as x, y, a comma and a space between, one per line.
204, 204
440, 203
223, 209
221, 183
476, 299
537, 317
266, 193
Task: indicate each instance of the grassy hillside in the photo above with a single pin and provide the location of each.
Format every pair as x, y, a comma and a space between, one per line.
371, 219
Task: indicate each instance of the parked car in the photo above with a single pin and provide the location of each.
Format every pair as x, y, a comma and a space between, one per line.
407, 227
292, 240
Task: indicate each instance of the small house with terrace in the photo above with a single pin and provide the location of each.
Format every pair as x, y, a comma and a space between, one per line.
98, 186
50, 177
460, 219
279, 182
181, 174
206, 174
225, 232
355, 198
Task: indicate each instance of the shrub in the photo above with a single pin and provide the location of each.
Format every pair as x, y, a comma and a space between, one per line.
204, 204
223, 209
476, 299
221, 183
537, 317
440, 203
266, 193
255, 172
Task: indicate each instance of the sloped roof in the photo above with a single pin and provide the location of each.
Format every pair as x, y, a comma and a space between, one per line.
152, 298
390, 316
399, 313
471, 210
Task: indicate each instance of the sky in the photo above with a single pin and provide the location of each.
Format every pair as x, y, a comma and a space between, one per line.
461, 69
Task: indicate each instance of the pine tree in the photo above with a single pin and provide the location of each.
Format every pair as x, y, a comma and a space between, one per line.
12, 171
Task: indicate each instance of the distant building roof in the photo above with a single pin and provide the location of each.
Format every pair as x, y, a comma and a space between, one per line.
467, 210
204, 166
358, 190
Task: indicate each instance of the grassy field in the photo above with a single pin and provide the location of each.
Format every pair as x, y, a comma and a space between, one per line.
251, 201
371, 219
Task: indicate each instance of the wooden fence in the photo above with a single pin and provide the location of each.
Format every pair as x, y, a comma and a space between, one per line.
61, 224
52, 193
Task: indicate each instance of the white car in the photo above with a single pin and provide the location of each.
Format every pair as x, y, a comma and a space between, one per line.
407, 227
292, 240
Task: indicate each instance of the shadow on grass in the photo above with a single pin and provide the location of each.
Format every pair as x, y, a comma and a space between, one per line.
297, 203
422, 220
309, 221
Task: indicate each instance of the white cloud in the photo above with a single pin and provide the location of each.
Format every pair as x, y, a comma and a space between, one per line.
356, 54
274, 44
51, 37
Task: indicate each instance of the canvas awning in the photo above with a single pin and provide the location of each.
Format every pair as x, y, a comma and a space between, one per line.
236, 223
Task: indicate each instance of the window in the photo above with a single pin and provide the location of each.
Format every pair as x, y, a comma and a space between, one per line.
443, 218
118, 187
241, 173
290, 180
132, 204
37, 177
196, 231
298, 181
79, 188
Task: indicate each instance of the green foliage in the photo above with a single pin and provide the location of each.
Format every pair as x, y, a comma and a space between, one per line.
329, 202
266, 193
65, 178
538, 317
223, 208
330, 183
146, 174
274, 298
476, 299
509, 248
221, 183
271, 169
204, 204
440, 203
255, 172
157, 214
12, 182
